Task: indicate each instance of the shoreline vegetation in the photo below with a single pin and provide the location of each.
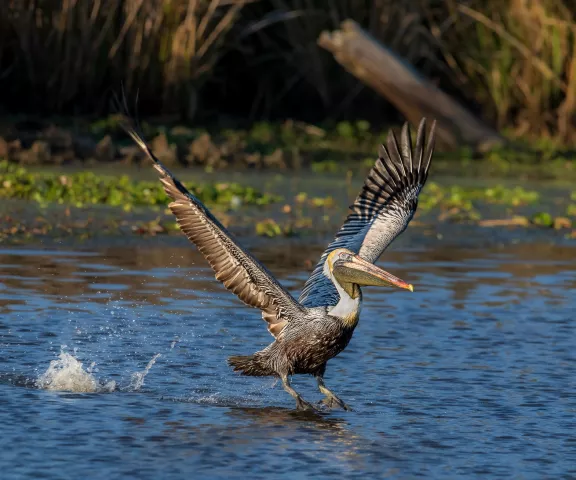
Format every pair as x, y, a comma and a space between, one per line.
82, 193
244, 85
288, 145
512, 63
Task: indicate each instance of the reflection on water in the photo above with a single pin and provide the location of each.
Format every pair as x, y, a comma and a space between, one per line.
471, 375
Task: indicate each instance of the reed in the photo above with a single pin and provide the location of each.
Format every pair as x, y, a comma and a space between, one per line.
518, 60
289, 30
515, 60
57, 52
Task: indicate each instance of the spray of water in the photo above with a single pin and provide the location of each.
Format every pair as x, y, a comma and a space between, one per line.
67, 374
138, 377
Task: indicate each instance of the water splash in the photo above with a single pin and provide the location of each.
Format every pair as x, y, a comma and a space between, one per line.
138, 377
67, 374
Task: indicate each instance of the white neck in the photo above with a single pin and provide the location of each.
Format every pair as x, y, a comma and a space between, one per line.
347, 308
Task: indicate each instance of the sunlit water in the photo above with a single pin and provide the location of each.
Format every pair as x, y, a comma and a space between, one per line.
472, 375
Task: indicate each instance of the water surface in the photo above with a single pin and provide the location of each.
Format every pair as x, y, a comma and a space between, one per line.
472, 375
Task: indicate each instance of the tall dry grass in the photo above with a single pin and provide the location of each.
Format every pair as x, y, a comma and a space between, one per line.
61, 51
289, 30
514, 60
517, 59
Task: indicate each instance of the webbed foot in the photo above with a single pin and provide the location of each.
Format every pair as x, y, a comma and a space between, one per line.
332, 401
303, 405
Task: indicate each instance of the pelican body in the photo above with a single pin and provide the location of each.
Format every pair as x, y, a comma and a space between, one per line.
311, 331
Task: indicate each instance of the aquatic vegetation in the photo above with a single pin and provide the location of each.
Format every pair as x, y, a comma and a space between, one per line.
495, 206
271, 228
326, 166
268, 228
547, 220
455, 196
543, 219
87, 188
456, 214
459, 204
510, 196
317, 202
292, 226
155, 227
301, 197
325, 202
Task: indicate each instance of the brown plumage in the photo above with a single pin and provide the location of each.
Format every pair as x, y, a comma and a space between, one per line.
309, 332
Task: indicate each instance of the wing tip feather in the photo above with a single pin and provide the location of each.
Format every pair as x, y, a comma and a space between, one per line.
410, 162
400, 171
166, 176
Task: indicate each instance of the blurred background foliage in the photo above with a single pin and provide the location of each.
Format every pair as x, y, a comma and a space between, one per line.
511, 61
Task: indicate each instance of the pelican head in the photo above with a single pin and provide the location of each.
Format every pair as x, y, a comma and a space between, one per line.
351, 271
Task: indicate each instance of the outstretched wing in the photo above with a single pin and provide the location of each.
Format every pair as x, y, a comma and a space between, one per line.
234, 267
383, 209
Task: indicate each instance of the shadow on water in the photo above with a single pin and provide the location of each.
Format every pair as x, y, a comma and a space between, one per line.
295, 441
272, 416
289, 424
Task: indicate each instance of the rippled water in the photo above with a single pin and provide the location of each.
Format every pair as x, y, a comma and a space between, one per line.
472, 375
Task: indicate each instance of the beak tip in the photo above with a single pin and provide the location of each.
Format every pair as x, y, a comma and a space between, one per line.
411, 287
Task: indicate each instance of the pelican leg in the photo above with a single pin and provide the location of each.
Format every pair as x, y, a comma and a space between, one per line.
331, 399
301, 404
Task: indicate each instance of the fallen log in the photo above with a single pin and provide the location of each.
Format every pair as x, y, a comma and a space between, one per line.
396, 80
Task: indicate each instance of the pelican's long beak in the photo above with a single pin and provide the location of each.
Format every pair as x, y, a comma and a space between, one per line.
361, 272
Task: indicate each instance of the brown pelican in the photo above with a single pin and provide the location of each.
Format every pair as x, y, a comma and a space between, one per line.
309, 332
